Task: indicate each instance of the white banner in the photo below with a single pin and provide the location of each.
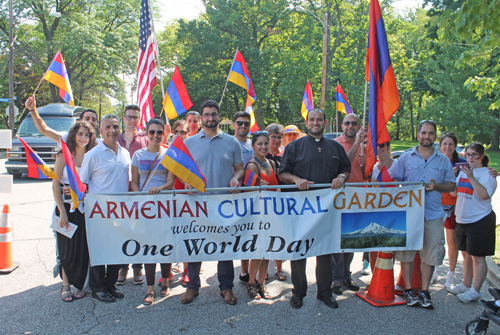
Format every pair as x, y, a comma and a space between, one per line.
272, 225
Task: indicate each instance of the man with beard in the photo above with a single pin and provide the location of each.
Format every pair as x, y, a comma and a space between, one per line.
218, 156
314, 159
426, 164
352, 139
105, 169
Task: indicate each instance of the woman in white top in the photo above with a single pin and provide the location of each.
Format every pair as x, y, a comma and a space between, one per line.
475, 230
73, 252
149, 175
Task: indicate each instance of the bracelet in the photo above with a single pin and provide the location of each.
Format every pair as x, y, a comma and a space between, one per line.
31, 110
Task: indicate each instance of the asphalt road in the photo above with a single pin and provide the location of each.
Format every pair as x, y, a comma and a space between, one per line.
30, 300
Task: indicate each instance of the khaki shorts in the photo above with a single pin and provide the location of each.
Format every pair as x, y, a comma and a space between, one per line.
433, 251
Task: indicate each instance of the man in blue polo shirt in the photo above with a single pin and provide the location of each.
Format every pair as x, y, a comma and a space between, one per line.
426, 164
218, 155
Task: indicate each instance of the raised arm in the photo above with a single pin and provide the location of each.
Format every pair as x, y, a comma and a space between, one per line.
38, 121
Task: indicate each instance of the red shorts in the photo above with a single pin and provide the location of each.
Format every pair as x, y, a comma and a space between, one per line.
450, 222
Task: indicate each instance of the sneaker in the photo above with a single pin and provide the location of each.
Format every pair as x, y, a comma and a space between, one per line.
337, 288
458, 289
494, 292
411, 298
469, 296
366, 268
490, 305
434, 276
245, 278
350, 284
450, 279
425, 299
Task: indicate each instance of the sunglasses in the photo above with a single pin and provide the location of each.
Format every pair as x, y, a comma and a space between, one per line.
152, 132
193, 113
261, 132
182, 132
352, 123
383, 145
427, 121
243, 123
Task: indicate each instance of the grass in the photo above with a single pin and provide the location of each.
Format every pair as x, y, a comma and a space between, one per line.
496, 257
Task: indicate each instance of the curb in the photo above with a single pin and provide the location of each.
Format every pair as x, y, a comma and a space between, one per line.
493, 275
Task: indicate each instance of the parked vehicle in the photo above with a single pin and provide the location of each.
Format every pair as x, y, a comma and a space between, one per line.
332, 136
57, 116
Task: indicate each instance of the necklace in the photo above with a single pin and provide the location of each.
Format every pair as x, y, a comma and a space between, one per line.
264, 165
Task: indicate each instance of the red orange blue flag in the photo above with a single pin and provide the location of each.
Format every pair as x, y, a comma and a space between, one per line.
240, 76
250, 178
179, 161
57, 75
176, 101
77, 188
37, 168
384, 177
384, 95
343, 105
307, 100
248, 109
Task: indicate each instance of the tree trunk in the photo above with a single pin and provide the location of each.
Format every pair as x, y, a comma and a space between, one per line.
259, 115
236, 102
410, 104
495, 139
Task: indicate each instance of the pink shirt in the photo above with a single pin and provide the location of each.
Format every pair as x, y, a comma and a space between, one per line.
139, 141
356, 172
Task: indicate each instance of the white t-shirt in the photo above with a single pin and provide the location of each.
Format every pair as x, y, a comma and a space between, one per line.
470, 208
391, 171
246, 151
106, 171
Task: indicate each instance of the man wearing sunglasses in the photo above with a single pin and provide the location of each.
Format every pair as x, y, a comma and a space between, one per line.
426, 164
218, 156
132, 140
241, 125
352, 139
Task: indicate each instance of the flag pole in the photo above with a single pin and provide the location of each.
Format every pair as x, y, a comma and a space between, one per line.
153, 173
336, 115
364, 115
157, 52
227, 80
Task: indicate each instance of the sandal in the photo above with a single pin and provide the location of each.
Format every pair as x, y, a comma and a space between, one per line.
263, 292
253, 292
79, 294
281, 275
165, 289
149, 298
66, 294
177, 267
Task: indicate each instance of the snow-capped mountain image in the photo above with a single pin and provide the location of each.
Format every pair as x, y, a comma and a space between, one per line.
375, 229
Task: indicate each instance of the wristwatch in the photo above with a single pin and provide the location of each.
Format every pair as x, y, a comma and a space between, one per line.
342, 175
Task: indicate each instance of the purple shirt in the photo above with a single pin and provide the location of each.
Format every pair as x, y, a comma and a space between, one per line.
139, 141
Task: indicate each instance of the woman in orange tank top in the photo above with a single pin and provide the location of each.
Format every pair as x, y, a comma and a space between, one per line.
265, 170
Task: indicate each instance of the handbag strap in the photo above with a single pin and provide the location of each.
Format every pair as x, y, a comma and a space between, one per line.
150, 169
258, 169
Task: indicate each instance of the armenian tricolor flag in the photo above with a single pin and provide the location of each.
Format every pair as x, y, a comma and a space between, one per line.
384, 177
250, 178
343, 105
240, 76
77, 188
176, 101
57, 75
384, 95
37, 168
179, 161
307, 100
464, 186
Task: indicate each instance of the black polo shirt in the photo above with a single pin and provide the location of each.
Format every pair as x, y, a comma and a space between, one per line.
318, 160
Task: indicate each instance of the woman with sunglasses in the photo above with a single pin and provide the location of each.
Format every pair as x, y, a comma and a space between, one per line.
181, 129
149, 175
73, 252
266, 171
476, 221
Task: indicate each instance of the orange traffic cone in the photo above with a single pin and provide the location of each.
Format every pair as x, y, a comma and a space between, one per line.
6, 264
416, 278
381, 291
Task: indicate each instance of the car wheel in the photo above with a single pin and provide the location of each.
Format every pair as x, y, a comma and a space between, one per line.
17, 175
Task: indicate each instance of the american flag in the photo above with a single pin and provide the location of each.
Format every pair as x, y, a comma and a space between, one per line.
146, 70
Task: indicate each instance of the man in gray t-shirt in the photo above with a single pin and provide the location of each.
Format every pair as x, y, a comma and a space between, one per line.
218, 155
241, 125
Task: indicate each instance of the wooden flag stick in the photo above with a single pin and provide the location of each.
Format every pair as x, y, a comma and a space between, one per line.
227, 80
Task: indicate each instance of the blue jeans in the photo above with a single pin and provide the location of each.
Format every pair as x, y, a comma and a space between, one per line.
342, 266
225, 273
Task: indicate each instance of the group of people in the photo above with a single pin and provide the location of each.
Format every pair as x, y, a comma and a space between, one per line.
130, 161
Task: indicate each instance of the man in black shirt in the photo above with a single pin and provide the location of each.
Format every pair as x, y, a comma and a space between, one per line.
314, 159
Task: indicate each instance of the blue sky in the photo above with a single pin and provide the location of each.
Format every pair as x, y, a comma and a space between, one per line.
356, 221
